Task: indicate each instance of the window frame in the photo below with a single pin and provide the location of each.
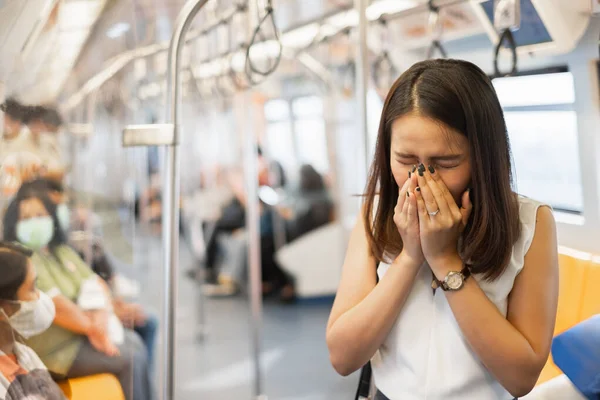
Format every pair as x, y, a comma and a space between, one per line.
570, 216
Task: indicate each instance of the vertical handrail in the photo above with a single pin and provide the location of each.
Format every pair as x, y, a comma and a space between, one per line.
172, 188
252, 224
362, 83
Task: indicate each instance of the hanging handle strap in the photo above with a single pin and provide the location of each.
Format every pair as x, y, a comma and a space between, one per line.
436, 45
508, 37
436, 31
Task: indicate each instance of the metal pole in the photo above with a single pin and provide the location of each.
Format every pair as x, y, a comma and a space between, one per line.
362, 76
252, 224
172, 192
253, 229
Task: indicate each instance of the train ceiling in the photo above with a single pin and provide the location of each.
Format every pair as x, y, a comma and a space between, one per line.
49, 55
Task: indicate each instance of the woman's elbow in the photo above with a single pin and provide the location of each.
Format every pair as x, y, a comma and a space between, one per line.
339, 358
525, 382
522, 389
340, 364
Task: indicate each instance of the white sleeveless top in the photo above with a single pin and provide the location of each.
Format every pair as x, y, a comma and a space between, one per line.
426, 356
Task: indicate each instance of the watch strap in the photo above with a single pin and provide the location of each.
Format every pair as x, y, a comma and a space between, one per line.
436, 283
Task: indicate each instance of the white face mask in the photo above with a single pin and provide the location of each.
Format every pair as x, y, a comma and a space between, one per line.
34, 317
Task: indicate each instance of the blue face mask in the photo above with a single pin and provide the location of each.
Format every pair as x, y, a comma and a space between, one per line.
36, 233
64, 217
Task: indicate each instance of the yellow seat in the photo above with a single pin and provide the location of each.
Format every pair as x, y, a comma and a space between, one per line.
590, 302
578, 297
572, 273
94, 387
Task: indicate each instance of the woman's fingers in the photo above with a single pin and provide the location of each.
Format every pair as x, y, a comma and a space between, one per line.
445, 192
411, 211
402, 196
421, 208
431, 203
466, 207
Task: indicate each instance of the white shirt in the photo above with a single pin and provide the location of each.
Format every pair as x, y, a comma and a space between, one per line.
426, 356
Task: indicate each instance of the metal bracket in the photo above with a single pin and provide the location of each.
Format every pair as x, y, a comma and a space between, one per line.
81, 130
149, 135
507, 14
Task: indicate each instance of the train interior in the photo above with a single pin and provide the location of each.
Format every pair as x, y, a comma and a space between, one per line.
213, 156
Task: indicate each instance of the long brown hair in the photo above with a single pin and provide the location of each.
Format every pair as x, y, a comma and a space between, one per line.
460, 95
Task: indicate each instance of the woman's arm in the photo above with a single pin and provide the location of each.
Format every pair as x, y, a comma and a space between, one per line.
364, 313
71, 317
514, 349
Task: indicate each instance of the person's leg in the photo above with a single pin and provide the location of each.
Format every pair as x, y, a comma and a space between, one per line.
142, 383
273, 274
89, 361
148, 334
130, 366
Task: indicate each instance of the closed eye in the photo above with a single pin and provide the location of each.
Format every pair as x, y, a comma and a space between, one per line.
447, 165
407, 162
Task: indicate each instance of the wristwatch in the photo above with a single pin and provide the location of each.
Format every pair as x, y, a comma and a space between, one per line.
453, 281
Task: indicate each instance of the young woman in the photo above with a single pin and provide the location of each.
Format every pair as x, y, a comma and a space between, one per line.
80, 342
468, 278
24, 312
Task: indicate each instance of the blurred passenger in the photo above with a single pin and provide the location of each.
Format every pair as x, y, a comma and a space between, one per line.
17, 164
466, 300
13, 133
232, 218
24, 312
86, 337
311, 206
43, 124
130, 314
231, 275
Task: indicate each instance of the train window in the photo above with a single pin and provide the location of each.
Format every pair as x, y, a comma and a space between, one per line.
310, 106
277, 110
542, 126
312, 143
536, 90
280, 144
309, 129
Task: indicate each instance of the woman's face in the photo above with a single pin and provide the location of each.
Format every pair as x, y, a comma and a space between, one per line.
416, 139
26, 292
11, 126
32, 208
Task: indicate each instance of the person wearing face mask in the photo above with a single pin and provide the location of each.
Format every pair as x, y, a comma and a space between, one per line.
24, 312
131, 315
82, 340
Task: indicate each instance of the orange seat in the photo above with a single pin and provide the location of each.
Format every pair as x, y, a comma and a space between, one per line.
578, 296
94, 387
590, 302
572, 273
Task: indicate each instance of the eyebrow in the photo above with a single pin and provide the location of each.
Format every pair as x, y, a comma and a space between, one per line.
450, 157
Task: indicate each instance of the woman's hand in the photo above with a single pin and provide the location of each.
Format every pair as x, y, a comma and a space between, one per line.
130, 314
100, 341
407, 221
441, 221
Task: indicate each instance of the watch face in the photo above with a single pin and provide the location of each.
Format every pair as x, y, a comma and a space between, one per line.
454, 281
